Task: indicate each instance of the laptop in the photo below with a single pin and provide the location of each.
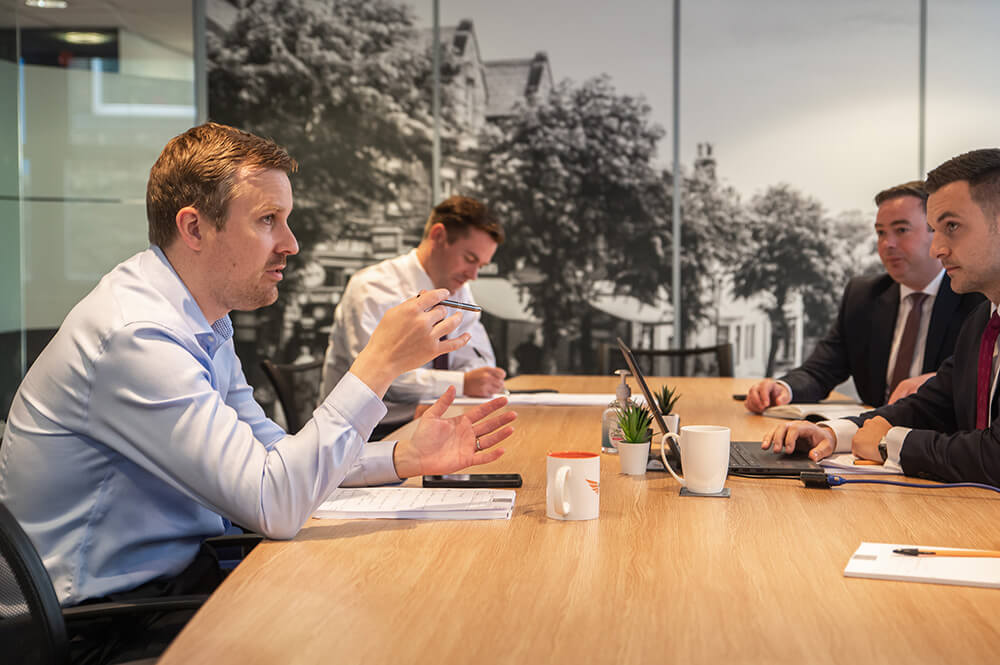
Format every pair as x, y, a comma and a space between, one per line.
745, 457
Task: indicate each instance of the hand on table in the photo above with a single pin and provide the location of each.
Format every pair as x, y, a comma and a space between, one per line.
446, 445
803, 435
865, 442
765, 393
483, 382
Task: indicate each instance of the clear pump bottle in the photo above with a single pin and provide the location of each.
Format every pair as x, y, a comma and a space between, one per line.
610, 432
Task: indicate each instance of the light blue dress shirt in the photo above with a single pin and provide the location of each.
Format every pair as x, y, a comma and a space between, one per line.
135, 432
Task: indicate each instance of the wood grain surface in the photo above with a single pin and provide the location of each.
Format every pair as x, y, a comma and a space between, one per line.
658, 578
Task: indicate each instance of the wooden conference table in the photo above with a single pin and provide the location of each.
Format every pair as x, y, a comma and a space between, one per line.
756, 578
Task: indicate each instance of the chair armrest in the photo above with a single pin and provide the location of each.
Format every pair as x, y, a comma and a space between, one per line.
132, 607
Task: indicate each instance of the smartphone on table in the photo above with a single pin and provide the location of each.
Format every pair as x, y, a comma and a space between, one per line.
474, 480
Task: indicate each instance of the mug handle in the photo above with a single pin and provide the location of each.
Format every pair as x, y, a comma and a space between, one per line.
562, 499
663, 456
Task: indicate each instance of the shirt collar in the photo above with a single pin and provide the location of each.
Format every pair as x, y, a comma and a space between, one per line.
170, 284
931, 289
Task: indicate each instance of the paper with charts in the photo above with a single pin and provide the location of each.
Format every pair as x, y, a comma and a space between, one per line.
877, 561
417, 503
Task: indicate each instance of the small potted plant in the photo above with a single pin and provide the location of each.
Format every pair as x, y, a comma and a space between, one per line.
666, 399
634, 424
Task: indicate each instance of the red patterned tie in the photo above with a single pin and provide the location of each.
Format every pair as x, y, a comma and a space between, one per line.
985, 376
908, 343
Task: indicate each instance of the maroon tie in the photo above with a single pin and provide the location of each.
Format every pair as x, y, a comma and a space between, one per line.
441, 362
904, 357
985, 375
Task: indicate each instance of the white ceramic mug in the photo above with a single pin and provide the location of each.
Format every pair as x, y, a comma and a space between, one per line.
633, 456
573, 485
704, 456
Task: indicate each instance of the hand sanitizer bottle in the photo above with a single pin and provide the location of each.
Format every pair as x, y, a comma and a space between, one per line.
610, 432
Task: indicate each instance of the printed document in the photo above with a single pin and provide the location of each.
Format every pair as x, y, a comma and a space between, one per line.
418, 503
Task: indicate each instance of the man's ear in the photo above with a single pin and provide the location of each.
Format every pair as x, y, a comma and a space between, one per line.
438, 235
190, 227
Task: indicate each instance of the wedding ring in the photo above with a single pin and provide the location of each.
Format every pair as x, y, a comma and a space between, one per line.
478, 447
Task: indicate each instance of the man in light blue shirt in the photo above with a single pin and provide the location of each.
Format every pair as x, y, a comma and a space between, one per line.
135, 436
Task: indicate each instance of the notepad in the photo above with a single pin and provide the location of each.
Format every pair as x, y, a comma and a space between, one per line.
877, 561
815, 412
540, 399
416, 503
843, 463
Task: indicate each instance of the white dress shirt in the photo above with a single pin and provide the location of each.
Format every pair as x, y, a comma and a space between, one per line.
369, 294
135, 434
905, 305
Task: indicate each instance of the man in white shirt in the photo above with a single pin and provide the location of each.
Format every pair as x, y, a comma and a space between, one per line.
134, 436
460, 237
893, 330
949, 429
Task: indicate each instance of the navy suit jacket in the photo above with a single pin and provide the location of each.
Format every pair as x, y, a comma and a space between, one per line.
859, 342
945, 443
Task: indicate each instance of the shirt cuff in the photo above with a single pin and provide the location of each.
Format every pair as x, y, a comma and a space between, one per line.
446, 377
374, 466
894, 440
843, 431
356, 403
791, 395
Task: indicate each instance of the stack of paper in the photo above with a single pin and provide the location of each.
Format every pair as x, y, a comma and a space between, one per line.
877, 560
540, 399
417, 503
844, 463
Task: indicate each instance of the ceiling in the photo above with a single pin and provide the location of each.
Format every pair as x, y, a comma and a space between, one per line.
166, 22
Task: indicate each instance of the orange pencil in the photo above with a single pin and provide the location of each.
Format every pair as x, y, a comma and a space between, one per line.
866, 462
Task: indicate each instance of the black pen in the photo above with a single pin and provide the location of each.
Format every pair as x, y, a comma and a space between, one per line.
479, 354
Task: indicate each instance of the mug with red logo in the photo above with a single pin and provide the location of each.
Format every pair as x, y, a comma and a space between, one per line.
573, 485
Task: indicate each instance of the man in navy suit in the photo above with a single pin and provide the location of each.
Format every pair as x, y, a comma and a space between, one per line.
868, 341
949, 428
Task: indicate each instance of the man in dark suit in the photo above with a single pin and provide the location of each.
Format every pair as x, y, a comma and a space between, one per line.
869, 339
948, 429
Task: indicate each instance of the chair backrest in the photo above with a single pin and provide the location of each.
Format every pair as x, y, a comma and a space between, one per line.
702, 361
297, 387
32, 628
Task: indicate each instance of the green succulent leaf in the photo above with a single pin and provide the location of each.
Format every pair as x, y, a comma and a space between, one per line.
634, 421
666, 398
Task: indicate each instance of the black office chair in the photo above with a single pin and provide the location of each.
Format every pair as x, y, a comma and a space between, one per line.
297, 387
702, 361
33, 627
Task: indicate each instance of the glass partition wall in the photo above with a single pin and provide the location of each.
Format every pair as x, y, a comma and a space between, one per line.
561, 114
88, 97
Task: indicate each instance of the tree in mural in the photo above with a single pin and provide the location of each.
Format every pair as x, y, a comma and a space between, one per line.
713, 234
571, 175
344, 85
791, 248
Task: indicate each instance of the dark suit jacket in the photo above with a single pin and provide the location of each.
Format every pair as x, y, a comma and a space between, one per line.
945, 443
860, 340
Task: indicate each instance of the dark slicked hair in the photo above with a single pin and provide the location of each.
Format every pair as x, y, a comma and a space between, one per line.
981, 169
914, 188
199, 168
460, 214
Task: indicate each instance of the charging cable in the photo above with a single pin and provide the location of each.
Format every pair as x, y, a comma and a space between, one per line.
820, 480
